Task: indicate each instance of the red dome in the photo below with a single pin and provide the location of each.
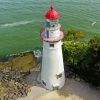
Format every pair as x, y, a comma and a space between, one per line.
52, 14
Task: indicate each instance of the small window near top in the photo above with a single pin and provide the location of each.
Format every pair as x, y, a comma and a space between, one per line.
51, 45
59, 75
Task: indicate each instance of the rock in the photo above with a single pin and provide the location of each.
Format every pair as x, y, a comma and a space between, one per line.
12, 83
13, 72
1, 75
1, 98
17, 74
15, 86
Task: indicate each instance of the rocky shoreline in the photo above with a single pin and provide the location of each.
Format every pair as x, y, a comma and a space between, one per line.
13, 85
13, 71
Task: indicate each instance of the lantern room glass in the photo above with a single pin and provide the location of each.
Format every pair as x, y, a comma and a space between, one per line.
51, 23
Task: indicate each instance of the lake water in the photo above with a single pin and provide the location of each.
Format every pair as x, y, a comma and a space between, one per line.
21, 21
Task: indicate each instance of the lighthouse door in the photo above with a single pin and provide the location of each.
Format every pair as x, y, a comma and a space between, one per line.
55, 87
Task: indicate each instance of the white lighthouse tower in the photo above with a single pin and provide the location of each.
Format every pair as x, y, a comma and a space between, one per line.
52, 69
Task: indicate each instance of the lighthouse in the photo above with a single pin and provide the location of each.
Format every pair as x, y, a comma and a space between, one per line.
52, 74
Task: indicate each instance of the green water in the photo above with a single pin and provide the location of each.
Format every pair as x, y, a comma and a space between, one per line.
21, 21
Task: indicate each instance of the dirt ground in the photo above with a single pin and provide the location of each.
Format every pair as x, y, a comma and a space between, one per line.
72, 90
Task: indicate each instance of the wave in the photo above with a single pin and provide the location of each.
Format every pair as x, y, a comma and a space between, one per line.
93, 23
15, 24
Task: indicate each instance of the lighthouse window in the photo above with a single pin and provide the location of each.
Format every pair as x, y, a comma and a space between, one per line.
47, 23
59, 75
47, 34
51, 45
43, 83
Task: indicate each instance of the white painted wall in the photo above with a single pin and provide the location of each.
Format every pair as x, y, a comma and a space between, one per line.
53, 31
52, 65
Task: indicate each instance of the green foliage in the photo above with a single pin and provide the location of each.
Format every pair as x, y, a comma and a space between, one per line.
84, 59
91, 64
1, 89
22, 62
74, 51
73, 35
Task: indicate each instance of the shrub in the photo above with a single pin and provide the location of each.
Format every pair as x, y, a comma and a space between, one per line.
74, 51
90, 67
84, 59
73, 35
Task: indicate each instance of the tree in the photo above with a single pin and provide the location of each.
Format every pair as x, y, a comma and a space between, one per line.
73, 35
84, 59
74, 51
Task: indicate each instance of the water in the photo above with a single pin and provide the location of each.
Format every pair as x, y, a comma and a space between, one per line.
21, 21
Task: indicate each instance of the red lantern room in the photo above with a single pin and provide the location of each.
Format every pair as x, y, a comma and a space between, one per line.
52, 14
52, 17
52, 31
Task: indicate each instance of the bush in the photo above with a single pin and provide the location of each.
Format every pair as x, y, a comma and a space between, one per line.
73, 35
74, 51
90, 67
84, 59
